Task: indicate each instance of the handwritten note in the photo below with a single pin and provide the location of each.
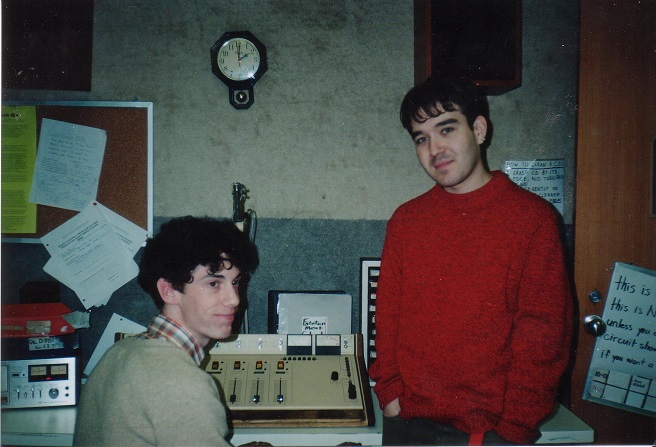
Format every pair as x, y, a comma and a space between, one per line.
542, 177
68, 164
314, 325
622, 371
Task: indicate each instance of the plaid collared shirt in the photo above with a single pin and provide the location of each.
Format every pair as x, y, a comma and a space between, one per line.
162, 327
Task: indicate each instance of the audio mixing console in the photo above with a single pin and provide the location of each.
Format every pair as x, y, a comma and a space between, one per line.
293, 380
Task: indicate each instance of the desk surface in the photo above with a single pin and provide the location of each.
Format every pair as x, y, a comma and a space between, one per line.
54, 427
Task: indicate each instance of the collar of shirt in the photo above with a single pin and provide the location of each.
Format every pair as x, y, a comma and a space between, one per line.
162, 327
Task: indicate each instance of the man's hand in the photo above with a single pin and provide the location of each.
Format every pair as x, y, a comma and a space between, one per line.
392, 409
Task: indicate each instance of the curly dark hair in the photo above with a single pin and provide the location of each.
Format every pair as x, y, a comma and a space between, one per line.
425, 100
184, 243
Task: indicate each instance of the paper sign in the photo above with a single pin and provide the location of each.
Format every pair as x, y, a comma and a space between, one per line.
314, 325
18, 158
542, 177
622, 370
68, 164
89, 256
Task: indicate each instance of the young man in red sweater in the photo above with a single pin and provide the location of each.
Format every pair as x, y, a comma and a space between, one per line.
474, 306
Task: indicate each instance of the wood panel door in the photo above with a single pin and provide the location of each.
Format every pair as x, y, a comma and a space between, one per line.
613, 220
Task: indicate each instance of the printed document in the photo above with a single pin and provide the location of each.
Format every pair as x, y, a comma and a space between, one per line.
90, 257
68, 164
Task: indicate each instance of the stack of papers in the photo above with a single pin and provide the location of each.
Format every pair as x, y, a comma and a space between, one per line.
93, 253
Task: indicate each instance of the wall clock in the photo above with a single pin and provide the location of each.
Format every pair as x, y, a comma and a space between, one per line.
239, 60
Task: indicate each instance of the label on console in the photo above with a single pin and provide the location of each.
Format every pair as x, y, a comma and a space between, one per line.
45, 343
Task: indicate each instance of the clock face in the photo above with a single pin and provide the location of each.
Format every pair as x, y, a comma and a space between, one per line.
238, 59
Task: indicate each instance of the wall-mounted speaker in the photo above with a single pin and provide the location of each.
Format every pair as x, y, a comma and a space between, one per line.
47, 44
474, 40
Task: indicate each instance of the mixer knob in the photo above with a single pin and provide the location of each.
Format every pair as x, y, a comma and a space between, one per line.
53, 393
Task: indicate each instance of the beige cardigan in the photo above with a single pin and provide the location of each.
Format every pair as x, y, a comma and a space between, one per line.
150, 392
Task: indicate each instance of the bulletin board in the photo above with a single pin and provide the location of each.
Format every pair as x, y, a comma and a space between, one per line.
126, 178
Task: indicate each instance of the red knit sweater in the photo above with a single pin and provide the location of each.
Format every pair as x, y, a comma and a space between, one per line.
474, 310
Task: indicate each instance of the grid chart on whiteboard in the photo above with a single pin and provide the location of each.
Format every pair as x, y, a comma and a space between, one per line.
624, 389
369, 272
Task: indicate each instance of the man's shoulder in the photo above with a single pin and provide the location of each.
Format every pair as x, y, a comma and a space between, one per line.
143, 353
132, 345
417, 204
525, 200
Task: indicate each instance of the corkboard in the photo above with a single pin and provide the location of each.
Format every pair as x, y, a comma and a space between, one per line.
125, 184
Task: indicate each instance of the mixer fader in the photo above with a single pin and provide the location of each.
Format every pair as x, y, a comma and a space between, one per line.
293, 380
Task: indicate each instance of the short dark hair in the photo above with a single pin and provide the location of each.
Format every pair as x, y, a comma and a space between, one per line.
184, 243
433, 97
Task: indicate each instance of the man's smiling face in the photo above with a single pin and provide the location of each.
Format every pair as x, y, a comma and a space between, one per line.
449, 150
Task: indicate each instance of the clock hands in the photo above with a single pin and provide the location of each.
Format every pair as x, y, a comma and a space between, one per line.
240, 56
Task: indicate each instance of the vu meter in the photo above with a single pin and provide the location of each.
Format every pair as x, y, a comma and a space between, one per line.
328, 344
39, 382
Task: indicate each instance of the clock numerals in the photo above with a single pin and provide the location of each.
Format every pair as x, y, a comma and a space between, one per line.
238, 59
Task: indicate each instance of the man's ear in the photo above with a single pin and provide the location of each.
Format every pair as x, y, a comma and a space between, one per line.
480, 129
166, 291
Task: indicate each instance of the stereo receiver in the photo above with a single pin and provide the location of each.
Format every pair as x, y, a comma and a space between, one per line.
38, 382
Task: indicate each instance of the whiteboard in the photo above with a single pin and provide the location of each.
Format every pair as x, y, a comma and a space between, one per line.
622, 371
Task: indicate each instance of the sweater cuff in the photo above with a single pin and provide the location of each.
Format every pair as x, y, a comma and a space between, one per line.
515, 433
389, 393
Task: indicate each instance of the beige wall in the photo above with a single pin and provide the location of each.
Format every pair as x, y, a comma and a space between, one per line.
322, 140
